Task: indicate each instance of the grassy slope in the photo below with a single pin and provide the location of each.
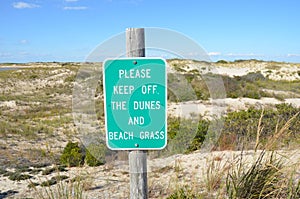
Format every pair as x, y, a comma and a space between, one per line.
39, 118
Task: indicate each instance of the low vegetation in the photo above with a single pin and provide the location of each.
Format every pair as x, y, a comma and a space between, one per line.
95, 154
75, 155
267, 176
72, 155
241, 128
37, 111
187, 87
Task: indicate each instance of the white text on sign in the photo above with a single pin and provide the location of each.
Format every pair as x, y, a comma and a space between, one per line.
118, 105
123, 90
149, 89
143, 135
135, 73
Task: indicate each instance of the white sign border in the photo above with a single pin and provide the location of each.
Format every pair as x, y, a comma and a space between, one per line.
166, 102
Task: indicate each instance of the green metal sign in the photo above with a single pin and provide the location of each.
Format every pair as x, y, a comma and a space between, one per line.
135, 102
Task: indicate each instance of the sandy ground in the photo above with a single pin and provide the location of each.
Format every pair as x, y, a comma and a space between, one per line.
219, 107
164, 174
112, 179
271, 70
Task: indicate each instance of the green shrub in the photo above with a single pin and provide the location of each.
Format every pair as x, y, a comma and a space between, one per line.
2, 171
48, 171
49, 183
179, 87
70, 79
33, 76
186, 133
32, 185
54, 180
241, 126
222, 62
35, 171
253, 77
183, 193
72, 155
200, 88
232, 86
16, 176
261, 180
245, 86
200, 135
95, 154
23, 168
251, 91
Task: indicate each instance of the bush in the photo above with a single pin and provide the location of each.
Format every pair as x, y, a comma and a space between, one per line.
251, 91
95, 154
180, 88
185, 133
241, 127
49, 183
16, 176
2, 171
183, 193
232, 86
264, 179
48, 171
253, 77
222, 62
200, 136
53, 169
244, 86
72, 155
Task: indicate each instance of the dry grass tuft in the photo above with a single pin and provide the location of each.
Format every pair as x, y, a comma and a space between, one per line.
279, 135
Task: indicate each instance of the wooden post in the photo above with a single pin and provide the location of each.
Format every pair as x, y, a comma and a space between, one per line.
135, 47
138, 175
135, 42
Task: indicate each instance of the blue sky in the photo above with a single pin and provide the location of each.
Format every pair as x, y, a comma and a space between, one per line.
68, 30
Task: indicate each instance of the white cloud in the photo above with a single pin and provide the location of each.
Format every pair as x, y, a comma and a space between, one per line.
75, 8
23, 41
24, 53
214, 53
5, 55
134, 1
293, 55
23, 5
242, 54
